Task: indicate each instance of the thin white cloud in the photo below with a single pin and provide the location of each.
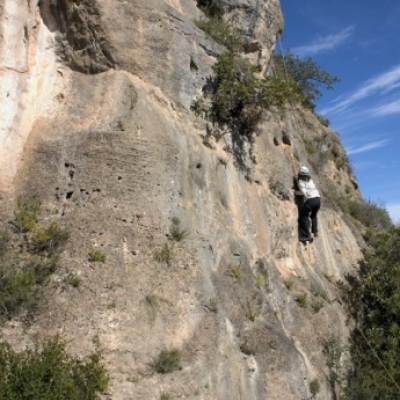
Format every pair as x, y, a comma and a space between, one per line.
394, 212
366, 147
387, 109
382, 83
323, 43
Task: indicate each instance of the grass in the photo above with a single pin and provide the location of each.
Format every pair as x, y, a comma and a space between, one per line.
322, 293
260, 280
317, 305
251, 313
302, 300
235, 272
288, 283
26, 215
152, 303
112, 305
310, 146
168, 361
49, 240
97, 256
163, 255
177, 233
72, 280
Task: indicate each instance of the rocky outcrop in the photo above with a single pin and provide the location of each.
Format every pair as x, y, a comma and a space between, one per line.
98, 125
81, 39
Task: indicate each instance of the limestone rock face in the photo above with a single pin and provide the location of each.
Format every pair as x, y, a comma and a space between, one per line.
96, 121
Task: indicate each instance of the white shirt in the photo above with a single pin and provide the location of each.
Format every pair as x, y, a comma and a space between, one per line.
308, 189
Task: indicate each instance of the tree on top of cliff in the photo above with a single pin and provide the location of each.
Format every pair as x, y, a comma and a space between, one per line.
305, 75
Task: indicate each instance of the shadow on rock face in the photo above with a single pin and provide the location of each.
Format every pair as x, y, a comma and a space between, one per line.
81, 40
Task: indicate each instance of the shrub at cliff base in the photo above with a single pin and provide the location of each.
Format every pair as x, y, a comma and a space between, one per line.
50, 373
374, 296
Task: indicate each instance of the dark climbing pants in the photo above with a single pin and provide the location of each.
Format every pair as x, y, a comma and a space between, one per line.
309, 210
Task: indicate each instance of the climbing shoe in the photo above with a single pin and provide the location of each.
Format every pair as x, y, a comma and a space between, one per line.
307, 239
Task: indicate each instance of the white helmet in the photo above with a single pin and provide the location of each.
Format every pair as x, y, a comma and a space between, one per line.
304, 171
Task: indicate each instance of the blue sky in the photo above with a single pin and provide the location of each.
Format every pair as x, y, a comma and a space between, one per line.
359, 42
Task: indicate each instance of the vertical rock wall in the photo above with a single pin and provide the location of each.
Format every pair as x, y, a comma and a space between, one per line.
116, 155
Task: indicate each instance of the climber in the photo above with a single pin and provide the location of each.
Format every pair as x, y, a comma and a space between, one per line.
310, 207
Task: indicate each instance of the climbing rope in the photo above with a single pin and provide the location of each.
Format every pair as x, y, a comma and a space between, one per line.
292, 116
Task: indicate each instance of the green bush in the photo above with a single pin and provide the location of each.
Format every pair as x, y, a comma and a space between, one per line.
221, 31
368, 213
240, 97
200, 107
20, 286
176, 232
314, 387
163, 255
27, 261
18, 291
324, 121
288, 283
42, 267
49, 240
97, 256
374, 301
302, 300
72, 280
317, 305
50, 373
260, 280
310, 146
26, 215
251, 313
168, 361
235, 272
305, 76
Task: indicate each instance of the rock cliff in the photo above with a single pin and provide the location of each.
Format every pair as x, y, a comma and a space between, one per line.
96, 121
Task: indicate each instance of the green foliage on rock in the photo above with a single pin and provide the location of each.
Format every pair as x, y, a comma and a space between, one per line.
374, 300
302, 300
168, 361
305, 75
29, 255
49, 239
163, 255
97, 256
177, 233
48, 372
26, 214
240, 97
221, 31
368, 213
